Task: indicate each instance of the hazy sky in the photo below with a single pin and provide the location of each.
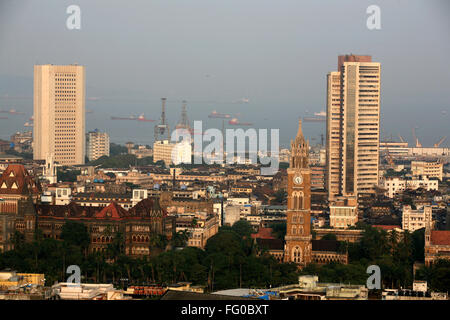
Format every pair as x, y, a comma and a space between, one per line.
215, 52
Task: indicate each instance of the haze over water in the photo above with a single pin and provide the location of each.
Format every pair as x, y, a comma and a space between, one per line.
214, 53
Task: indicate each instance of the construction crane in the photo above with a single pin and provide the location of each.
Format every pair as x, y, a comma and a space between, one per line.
162, 128
401, 138
389, 158
437, 144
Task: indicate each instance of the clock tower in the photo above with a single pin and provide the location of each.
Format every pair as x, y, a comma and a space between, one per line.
298, 234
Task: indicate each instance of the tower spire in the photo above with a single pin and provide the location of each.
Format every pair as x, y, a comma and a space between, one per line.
299, 132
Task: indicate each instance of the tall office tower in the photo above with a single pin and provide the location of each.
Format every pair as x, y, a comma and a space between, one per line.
97, 144
59, 115
353, 126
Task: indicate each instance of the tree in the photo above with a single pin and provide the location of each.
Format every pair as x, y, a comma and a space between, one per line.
329, 236
243, 228
279, 230
75, 234
180, 238
280, 197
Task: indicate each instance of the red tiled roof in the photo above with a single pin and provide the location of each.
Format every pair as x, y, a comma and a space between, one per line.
148, 208
112, 211
440, 237
16, 180
263, 233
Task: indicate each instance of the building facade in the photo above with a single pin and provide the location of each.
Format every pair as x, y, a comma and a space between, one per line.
59, 113
396, 185
413, 220
353, 118
428, 169
343, 212
97, 144
298, 248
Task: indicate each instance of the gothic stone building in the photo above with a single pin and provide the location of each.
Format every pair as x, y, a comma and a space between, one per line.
21, 211
299, 246
137, 225
18, 193
437, 245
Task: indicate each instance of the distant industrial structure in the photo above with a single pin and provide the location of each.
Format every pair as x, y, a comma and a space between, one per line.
162, 129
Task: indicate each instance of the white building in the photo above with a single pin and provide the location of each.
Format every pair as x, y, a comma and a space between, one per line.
413, 220
97, 144
232, 214
49, 171
172, 153
395, 185
182, 152
428, 169
59, 113
138, 196
86, 291
343, 212
63, 196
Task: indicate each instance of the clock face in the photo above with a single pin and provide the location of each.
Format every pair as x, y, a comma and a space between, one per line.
298, 179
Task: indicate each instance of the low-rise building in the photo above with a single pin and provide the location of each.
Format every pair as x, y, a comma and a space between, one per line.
309, 288
343, 212
413, 220
136, 178
396, 185
86, 291
437, 245
429, 169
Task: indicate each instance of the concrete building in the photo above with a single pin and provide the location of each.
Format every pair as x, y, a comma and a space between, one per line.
353, 121
427, 169
204, 228
396, 185
309, 288
97, 144
232, 214
437, 245
413, 220
318, 177
182, 153
86, 291
162, 150
59, 113
343, 212
395, 149
136, 178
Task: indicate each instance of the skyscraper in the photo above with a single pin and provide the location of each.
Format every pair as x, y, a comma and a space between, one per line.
59, 114
353, 126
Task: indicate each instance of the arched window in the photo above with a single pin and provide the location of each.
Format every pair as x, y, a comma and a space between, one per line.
300, 201
297, 200
297, 254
